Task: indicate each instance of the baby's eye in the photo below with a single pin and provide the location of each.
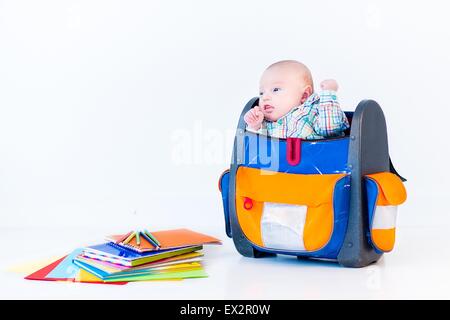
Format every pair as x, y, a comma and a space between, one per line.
276, 89
261, 93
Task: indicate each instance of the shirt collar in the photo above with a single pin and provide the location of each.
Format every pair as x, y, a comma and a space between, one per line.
311, 99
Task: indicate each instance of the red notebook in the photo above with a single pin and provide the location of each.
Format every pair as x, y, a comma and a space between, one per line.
42, 273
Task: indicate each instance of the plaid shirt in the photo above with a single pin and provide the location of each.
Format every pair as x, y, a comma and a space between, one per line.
320, 116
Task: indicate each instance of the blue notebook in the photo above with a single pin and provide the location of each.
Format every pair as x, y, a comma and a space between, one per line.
114, 253
91, 269
66, 269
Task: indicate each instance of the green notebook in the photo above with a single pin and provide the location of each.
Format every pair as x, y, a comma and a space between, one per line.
181, 274
164, 276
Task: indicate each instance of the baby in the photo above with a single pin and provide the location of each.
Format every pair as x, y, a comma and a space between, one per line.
289, 107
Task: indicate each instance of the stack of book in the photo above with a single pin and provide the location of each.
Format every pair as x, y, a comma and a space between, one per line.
136, 256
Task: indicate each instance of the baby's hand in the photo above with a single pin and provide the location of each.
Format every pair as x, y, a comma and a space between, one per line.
329, 84
254, 118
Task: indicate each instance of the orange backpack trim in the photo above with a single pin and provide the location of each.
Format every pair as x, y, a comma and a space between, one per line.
391, 191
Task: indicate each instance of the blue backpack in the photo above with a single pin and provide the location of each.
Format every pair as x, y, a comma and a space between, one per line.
333, 199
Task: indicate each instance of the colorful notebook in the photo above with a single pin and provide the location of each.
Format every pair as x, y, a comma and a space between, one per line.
110, 271
182, 258
66, 269
169, 239
175, 258
185, 271
41, 274
81, 276
106, 274
114, 253
200, 273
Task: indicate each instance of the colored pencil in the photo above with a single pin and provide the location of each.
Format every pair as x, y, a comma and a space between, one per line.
123, 238
150, 240
131, 236
138, 238
153, 238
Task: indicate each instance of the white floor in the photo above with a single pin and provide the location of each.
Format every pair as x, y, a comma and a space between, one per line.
418, 268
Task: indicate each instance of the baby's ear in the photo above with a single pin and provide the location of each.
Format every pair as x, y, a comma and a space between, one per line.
306, 93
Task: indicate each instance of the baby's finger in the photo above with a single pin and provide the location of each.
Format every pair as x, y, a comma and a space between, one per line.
254, 114
249, 117
252, 117
259, 113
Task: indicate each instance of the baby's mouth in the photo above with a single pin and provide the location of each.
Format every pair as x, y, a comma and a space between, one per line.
268, 108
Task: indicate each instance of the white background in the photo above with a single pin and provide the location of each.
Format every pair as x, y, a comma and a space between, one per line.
117, 114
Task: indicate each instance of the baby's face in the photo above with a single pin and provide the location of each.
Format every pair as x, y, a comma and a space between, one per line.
281, 89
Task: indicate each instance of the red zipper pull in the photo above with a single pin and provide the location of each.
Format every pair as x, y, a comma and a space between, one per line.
248, 203
293, 151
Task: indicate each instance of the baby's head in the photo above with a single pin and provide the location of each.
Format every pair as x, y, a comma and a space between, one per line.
284, 85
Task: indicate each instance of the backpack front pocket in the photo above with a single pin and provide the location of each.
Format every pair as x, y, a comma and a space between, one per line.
385, 191
284, 211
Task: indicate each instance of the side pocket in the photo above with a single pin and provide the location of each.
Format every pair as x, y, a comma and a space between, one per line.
223, 188
385, 192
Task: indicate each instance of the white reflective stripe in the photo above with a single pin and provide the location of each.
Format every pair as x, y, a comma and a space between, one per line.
282, 226
384, 217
